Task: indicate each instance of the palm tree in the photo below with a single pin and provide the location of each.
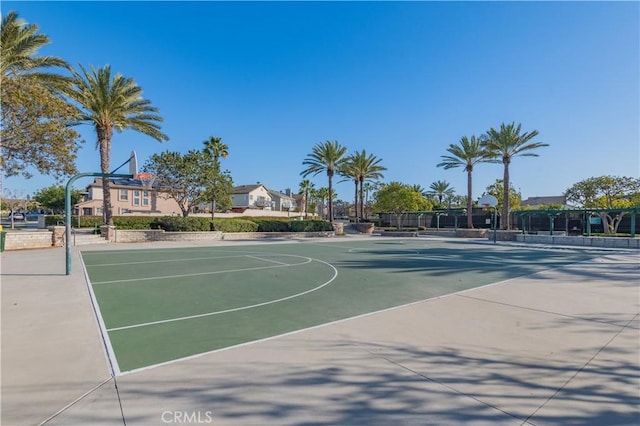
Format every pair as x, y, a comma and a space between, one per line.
369, 187
468, 153
326, 157
420, 190
365, 168
19, 44
22, 77
214, 148
306, 188
441, 189
322, 194
348, 170
503, 145
111, 102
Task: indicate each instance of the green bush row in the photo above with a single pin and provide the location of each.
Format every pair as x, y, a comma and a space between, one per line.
121, 222
196, 224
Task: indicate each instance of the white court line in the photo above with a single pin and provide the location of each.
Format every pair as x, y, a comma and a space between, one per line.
208, 314
343, 320
164, 277
107, 347
268, 260
167, 260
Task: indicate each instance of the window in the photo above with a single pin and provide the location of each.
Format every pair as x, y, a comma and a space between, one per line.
136, 192
145, 201
124, 194
136, 201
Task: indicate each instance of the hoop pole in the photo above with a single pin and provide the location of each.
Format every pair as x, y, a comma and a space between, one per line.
67, 210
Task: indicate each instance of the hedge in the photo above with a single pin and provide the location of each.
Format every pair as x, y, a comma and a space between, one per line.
234, 225
182, 224
310, 226
199, 224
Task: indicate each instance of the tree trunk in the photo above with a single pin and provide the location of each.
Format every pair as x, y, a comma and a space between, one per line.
330, 197
362, 215
104, 145
355, 206
504, 220
469, 200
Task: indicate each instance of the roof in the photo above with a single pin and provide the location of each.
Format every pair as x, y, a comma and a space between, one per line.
245, 189
121, 182
536, 201
280, 194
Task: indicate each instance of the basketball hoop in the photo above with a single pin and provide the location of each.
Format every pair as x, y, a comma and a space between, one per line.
146, 179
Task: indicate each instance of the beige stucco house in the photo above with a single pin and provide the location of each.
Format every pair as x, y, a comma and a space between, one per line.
128, 196
251, 197
283, 201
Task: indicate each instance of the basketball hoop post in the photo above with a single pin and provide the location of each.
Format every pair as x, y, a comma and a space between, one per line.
67, 209
486, 201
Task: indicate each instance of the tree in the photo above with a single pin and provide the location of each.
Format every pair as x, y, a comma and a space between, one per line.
362, 168
111, 102
216, 148
325, 157
306, 188
20, 44
322, 195
218, 185
420, 189
369, 188
13, 201
468, 153
497, 190
34, 131
503, 145
33, 126
442, 190
218, 189
53, 198
399, 199
179, 177
606, 192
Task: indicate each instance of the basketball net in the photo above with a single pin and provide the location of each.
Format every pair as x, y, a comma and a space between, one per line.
146, 179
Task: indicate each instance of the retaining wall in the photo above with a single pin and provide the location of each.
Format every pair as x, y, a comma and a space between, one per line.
258, 235
27, 240
140, 236
610, 242
145, 235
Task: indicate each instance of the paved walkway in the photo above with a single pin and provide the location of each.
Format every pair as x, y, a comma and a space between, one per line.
556, 348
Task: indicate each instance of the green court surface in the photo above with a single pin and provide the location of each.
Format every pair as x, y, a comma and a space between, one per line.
160, 305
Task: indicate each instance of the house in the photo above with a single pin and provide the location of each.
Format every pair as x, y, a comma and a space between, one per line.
251, 197
283, 201
127, 196
537, 202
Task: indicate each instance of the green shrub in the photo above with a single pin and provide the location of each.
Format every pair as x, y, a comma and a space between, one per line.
54, 220
182, 224
135, 222
272, 225
234, 225
310, 226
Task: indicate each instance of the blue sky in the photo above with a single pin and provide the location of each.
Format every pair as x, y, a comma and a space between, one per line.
402, 80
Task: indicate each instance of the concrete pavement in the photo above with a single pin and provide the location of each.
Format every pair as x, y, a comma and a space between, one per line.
556, 348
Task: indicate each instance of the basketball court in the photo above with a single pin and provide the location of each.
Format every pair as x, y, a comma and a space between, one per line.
344, 331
